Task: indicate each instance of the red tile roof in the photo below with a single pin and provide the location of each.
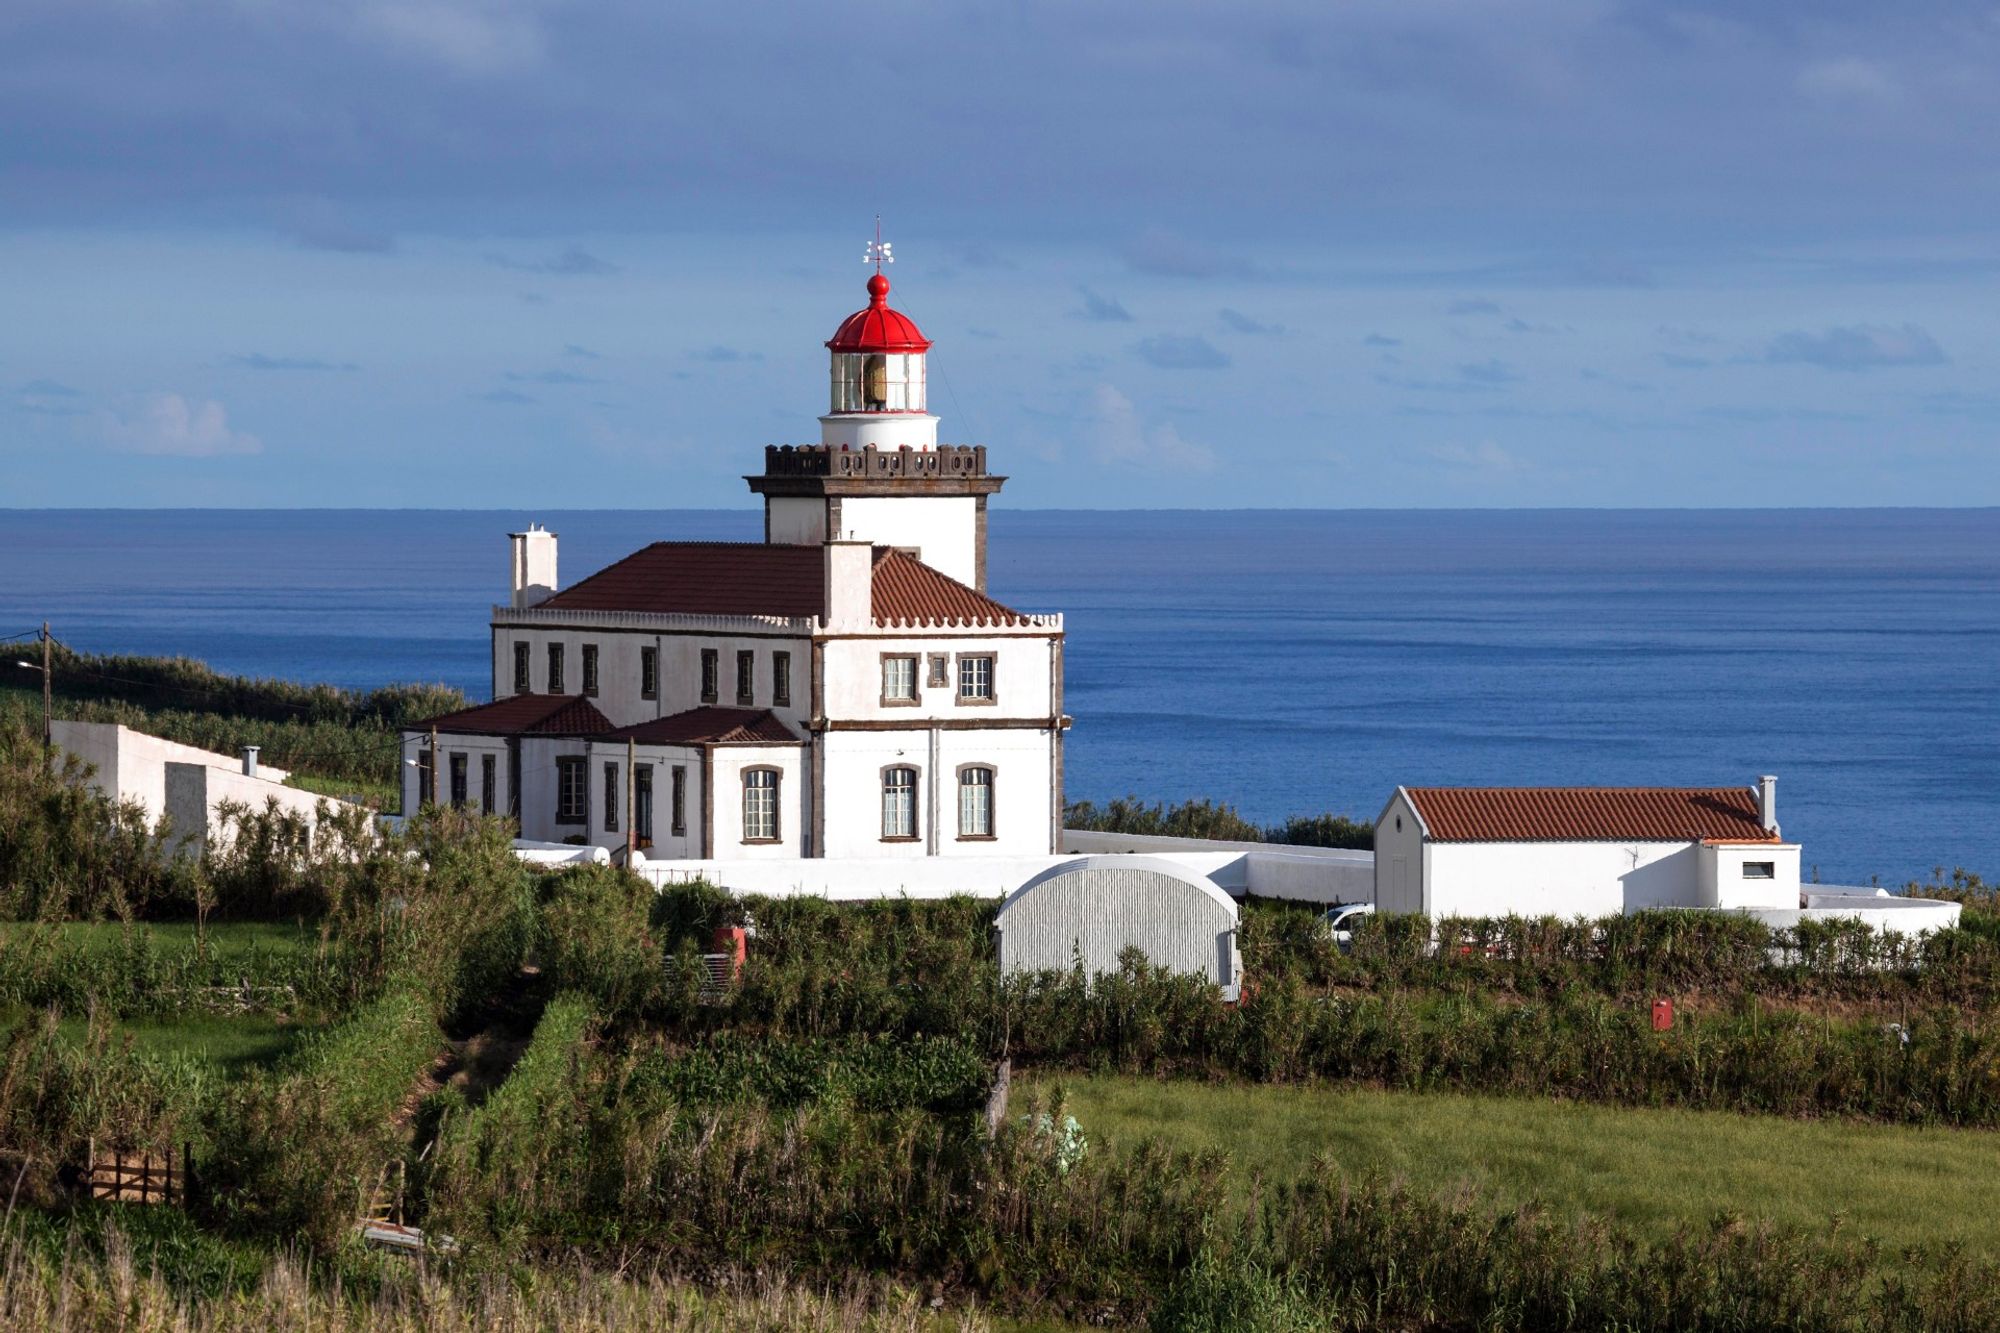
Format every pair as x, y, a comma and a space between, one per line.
907, 591
1590, 814
715, 726
705, 578
762, 579
524, 715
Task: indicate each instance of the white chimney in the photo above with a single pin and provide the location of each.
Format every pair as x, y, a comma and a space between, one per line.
850, 586
1767, 803
250, 761
534, 565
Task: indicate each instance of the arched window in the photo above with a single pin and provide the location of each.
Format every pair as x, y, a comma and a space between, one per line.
760, 805
899, 802
975, 801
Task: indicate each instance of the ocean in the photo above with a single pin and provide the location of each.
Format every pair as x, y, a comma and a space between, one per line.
1284, 661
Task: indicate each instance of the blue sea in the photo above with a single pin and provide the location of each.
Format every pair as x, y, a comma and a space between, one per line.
1286, 661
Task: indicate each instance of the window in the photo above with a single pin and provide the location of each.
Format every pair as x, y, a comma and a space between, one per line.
458, 779
760, 805
572, 790
975, 680
488, 776
590, 669
899, 804
679, 827
555, 668
642, 801
1760, 870
781, 679
523, 682
711, 672
746, 678
975, 802
940, 670
899, 680
611, 797
649, 673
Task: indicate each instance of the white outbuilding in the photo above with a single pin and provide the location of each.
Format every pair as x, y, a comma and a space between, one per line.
1582, 851
1096, 907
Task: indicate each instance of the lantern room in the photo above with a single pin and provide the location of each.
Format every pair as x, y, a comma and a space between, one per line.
878, 358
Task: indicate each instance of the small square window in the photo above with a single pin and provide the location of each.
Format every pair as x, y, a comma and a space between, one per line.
711, 675
781, 679
746, 678
649, 673
940, 673
555, 668
1760, 870
572, 790
458, 791
899, 680
590, 669
524, 682
975, 680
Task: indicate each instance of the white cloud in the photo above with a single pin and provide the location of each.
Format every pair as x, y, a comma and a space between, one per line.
169, 425
1118, 434
1847, 80
472, 37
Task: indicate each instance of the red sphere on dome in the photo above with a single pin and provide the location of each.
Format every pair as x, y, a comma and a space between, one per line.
878, 328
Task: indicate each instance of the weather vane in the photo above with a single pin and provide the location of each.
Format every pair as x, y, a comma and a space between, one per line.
878, 249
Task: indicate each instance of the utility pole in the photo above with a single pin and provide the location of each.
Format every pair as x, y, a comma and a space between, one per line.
631, 799
433, 765
48, 699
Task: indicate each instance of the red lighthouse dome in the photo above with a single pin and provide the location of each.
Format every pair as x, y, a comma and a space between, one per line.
878, 328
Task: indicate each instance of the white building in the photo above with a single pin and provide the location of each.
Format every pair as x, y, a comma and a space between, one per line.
844, 688
1582, 851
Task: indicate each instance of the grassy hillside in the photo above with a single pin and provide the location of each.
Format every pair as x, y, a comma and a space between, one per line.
1655, 1170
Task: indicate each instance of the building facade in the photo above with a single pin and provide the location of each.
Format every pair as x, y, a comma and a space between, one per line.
1582, 851
844, 688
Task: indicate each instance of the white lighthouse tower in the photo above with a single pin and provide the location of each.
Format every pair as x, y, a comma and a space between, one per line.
878, 474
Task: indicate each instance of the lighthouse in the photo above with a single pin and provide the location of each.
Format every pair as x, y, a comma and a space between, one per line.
878, 473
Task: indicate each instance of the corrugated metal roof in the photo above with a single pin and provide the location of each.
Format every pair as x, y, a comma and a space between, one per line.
1590, 814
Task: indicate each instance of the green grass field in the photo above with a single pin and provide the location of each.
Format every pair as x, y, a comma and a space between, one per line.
226, 939
1654, 1169
232, 1043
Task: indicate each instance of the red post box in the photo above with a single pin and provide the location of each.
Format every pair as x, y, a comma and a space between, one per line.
1663, 1015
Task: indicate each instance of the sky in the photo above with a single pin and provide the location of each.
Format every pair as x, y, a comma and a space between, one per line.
1407, 253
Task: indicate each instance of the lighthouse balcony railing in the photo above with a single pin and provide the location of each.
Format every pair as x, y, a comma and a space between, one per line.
820, 460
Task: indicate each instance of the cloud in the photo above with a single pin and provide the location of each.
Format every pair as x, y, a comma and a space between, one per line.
1488, 372
722, 355
1173, 352
47, 398
1678, 362
574, 262
1472, 308
1845, 82
1381, 340
1119, 435
49, 389
1104, 309
1242, 323
1157, 250
468, 39
320, 224
170, 425
548, 377
1485, 456
506, 397
571, 349
1857, 347
1519, 325
258, 361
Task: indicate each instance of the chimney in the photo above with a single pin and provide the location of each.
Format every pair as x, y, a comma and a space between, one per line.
534, 565
1767, 803
250, 761
850, 586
